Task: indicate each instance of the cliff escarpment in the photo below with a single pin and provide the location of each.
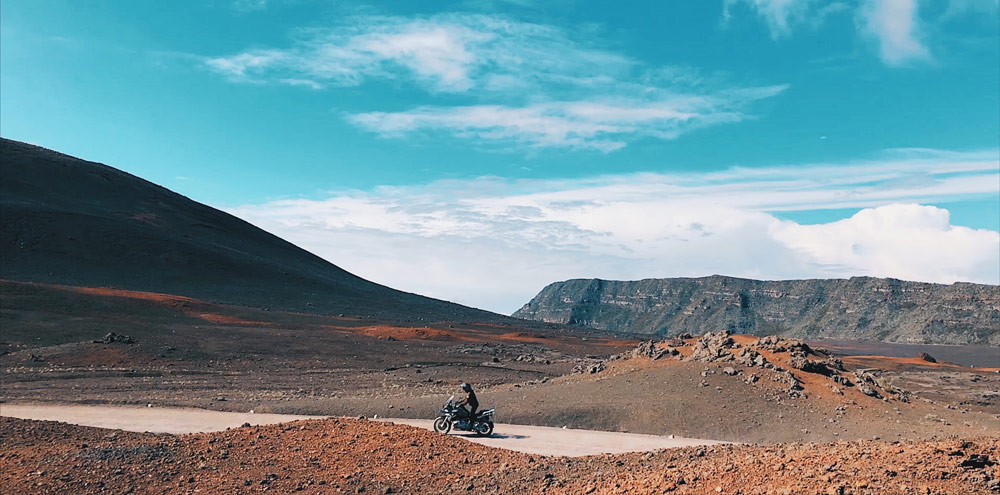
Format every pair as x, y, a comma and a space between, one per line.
860, 308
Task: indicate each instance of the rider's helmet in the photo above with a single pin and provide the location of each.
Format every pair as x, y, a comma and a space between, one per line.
467, 387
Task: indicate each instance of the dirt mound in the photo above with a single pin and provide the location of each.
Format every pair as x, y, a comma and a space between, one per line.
770, 354
357, 456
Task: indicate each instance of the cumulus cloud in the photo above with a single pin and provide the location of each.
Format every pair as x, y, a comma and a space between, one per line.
493, 243
906, 241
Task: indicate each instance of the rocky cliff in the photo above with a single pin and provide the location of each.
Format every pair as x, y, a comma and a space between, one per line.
861, 308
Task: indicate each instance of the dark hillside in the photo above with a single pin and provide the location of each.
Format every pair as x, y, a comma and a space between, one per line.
70, 221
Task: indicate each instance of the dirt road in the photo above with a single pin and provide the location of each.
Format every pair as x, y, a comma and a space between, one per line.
529, 439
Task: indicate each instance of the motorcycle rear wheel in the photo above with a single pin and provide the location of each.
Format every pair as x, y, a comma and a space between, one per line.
484, 429
442, 425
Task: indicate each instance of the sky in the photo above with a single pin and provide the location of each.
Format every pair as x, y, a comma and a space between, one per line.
477, 151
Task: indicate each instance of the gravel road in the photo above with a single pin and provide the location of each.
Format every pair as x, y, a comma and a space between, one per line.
522, 438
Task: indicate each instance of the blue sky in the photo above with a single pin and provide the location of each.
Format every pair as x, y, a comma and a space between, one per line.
525, 142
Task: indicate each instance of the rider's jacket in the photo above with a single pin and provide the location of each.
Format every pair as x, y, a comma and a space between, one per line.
471, 400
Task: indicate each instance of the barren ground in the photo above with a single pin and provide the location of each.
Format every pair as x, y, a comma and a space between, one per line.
521, 438
355, 456
931, 428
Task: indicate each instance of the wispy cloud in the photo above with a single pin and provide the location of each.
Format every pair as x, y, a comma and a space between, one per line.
895, 26
957, 8
249, 5
780, 15
600, 125
446, 53
492, 242
531, 85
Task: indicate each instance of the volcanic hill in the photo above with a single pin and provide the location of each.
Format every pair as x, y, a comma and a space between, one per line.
861, 308
69, 221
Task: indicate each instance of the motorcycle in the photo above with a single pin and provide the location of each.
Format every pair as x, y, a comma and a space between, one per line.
453, 416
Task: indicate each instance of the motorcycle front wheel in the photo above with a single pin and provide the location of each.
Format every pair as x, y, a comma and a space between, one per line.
442, 425
483, 429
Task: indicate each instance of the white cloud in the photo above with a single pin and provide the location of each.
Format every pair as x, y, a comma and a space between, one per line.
597, 125
906, 241
308, 83
778, 14
896, 25
530, 84
445, 52
958, 8
493, 243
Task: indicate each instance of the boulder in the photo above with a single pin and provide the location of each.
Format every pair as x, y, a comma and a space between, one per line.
749, 357
774, 343
714, 347
112, 338
648, 349
871, 382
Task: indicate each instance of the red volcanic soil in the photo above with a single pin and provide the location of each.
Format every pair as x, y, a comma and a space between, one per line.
409, 333
524, 337
229, 320
187, 305
356, 456
164, 299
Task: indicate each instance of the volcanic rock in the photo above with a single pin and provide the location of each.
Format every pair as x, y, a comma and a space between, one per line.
860, 308
112, 338
647, 349
871, 382
714, 347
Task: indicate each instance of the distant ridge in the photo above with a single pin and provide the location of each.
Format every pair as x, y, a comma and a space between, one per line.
861, 308
69, 221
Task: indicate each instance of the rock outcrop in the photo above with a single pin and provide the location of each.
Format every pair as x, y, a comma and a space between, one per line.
860, 308
722, 348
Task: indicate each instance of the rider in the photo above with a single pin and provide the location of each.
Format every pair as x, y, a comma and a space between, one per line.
469, 399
